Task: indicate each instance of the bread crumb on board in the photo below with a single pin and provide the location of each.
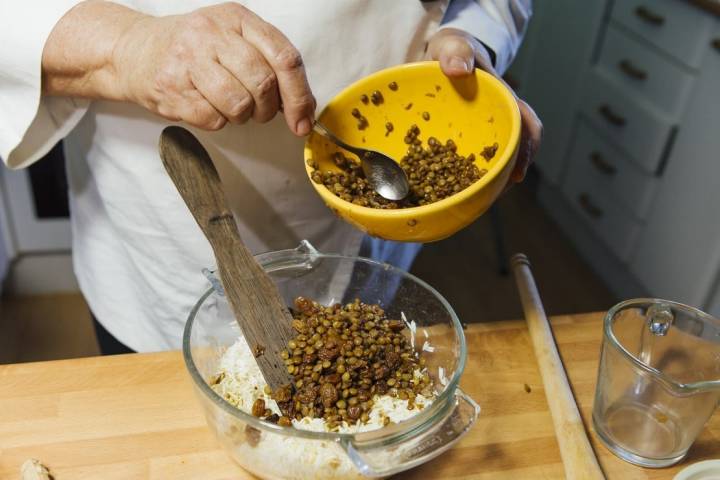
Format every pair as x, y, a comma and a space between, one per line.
34, 470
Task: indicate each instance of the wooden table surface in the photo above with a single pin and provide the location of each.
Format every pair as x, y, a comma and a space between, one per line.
135, 416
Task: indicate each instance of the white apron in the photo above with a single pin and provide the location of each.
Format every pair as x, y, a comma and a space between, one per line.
137, 250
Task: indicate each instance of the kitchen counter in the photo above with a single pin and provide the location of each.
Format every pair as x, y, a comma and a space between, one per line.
136, 416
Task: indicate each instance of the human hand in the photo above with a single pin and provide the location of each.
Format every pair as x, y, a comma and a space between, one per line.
211, 66
459, 53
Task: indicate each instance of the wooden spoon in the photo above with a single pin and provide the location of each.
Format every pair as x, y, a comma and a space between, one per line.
255, 300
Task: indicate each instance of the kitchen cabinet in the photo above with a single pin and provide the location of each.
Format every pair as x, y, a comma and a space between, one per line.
560, 38
631, 157
679, 249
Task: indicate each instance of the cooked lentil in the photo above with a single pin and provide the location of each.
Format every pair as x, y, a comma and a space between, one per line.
342, 357
258, 350
388, 128
258, 408
489, 152
434, 172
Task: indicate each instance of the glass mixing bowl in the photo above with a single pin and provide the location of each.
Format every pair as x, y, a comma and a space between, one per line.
273, 452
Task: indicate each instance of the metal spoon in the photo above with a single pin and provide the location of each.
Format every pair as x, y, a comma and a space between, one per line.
383, 173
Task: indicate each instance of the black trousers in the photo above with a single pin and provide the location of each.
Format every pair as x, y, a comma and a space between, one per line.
109, 345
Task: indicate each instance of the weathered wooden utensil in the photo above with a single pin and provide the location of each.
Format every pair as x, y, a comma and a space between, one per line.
260, 311
576, 452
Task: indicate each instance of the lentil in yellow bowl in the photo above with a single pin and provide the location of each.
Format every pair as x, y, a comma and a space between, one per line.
475, 112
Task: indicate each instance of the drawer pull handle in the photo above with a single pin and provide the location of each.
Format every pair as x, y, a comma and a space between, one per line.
612, 117
591, 209
649, 16
632, 71
602, 165
716, 44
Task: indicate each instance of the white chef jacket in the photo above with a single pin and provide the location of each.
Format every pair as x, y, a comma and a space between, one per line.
137, 252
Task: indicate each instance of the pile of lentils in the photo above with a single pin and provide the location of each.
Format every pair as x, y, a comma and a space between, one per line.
340, 359
434, 173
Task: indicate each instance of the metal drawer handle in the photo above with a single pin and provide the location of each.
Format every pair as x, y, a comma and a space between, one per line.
602, 165
716, 44
649, 16
612, 117
631, 70
590, 208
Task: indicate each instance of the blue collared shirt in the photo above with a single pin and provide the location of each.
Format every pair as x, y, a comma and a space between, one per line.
498, 24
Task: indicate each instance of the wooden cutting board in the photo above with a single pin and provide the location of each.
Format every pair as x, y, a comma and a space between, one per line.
136, 416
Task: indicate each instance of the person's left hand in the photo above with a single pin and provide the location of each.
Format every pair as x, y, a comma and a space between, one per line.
459, 53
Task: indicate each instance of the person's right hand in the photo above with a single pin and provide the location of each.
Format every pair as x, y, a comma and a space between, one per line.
214, 65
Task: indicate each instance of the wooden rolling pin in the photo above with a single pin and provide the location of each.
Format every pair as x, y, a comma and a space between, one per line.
577, 455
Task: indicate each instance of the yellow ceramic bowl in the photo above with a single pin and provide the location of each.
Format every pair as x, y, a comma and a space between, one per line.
474, 112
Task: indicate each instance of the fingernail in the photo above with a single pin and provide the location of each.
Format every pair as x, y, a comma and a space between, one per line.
303, 126
458, 63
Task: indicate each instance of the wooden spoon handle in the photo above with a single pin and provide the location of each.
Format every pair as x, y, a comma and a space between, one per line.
577, 454
253, 296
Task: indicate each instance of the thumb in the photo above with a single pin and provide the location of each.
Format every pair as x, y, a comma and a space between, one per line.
455, 54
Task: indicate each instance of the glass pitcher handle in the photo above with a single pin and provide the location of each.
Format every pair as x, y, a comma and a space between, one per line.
382, 459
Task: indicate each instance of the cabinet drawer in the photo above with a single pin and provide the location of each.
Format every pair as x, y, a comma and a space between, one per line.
595, 162
641, 132
642, 71
677, 28
609, 220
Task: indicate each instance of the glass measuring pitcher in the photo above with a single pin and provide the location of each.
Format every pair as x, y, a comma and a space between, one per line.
658, 380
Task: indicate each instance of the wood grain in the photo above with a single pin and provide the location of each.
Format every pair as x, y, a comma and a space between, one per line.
258, 307
577, 454
136, 416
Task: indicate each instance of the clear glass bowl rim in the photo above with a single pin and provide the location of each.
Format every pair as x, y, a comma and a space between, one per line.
682, 388
426, 418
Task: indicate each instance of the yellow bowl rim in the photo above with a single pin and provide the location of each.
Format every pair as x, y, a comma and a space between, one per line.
447, 202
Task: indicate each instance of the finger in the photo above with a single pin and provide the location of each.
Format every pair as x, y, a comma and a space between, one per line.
223, 91
297, 98
195, 110
455, 53
248, 65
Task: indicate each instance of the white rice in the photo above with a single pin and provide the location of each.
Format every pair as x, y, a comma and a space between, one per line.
242, 383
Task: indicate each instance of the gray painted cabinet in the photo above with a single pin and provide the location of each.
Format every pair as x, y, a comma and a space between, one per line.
631, 159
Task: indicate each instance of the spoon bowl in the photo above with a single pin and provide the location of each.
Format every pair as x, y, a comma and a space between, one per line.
383, 173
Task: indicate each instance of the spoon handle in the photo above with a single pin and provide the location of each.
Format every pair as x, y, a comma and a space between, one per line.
322, 130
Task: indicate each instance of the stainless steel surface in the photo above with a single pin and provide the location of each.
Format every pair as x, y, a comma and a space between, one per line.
383, 173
